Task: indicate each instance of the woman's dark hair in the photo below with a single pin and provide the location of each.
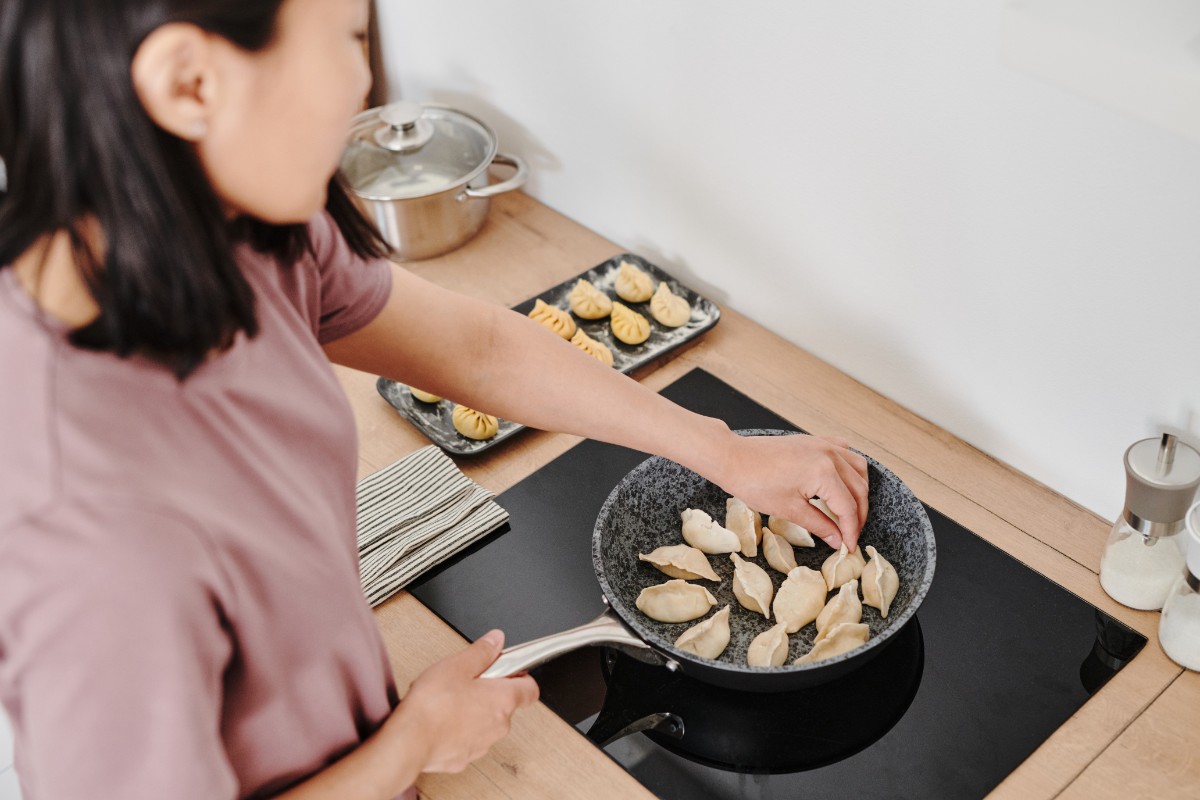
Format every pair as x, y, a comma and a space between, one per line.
77, 145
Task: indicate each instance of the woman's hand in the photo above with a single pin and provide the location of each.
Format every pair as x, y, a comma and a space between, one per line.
454, 714
777, 475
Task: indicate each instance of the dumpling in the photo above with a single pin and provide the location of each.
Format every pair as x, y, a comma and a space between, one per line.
844, 607
795, 534
842, 638
553, 318
800, 598
628, 325
778, 552
633, 285
424, 397
842, 566
707, 639
597, 350
752, 586
823, 507
879, 582
745, 523
769, 648
474, 424
675, 601
588, 302
680, 561
702, 533
669, 308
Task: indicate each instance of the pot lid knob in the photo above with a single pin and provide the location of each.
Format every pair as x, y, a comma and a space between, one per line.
404, 129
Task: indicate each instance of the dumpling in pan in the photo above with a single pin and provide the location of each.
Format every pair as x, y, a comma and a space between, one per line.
752, 586
800, 598
778, 552
844, 607
842, 566
745, 523
769, 648
842, 638
879, 582
597, 350
474, 424
633, 285
794, 534
707, 639
681, 561
669, 308
588, 302
675, 601
704, 534
553, 318
823, 507
628, 325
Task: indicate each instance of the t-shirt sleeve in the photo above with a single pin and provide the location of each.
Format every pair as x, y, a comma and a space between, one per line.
353, 289
112, 649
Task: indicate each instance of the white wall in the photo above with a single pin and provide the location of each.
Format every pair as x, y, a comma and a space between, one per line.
1013, 261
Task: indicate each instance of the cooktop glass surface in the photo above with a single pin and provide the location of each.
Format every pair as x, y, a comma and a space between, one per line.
995, 660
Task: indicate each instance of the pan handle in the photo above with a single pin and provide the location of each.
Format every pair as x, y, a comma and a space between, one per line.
604, 629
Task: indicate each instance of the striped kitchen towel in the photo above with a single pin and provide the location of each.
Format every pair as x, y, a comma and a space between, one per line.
415, 514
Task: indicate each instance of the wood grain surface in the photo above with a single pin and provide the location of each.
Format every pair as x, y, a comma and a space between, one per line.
1138, 737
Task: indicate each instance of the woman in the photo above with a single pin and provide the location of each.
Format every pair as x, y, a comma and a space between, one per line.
180, 612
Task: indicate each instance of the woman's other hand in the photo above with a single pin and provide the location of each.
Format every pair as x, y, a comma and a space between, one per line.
456, 715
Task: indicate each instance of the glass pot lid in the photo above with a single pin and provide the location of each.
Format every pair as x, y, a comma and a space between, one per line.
406, 150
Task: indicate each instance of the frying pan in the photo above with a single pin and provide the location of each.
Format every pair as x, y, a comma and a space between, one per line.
642, 513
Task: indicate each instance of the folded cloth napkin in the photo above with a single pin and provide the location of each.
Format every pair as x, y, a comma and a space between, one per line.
413, 515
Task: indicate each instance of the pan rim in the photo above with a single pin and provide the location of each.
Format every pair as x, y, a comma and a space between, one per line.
662, 646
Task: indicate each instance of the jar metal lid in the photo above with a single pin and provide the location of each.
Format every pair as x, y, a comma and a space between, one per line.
1161, 478
402, 151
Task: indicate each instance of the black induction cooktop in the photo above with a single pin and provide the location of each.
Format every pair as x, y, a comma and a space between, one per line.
995, 660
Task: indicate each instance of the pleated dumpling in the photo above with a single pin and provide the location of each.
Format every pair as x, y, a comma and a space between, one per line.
824, 508
778, 552
669, 308
842, 566
842, 638
769, 648
794, 534
747, 524
879, 582
844, 607
474, 424
588, 302
423, 396
707, 639
597, 350
628, 325
680, 561
553, 318
675, 601
704, 534
800, 598
752, 586
633, 285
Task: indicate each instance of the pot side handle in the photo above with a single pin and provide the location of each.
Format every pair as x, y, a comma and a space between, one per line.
515, 182
604, 629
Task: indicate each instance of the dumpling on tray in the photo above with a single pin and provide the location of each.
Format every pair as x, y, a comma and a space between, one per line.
588, 302
474, 424
669, 308
553, 318
628, 325
633, 285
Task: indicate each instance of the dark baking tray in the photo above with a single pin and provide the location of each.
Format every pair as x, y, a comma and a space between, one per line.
434, 419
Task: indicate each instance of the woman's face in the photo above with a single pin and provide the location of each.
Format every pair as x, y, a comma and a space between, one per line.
277, 130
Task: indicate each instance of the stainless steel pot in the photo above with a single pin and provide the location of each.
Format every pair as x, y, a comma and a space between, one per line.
420, 173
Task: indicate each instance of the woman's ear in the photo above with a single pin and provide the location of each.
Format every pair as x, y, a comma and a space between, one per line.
174, 75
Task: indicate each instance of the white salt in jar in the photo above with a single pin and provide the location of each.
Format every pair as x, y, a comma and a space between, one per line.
1145, 554
1179, 627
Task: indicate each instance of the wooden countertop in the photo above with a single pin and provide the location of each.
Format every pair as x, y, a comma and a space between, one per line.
1137, 737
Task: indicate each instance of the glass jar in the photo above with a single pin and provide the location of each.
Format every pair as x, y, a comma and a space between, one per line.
1179, 627
1145, 554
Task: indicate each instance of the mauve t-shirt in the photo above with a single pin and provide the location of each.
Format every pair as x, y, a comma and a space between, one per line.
180, 608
